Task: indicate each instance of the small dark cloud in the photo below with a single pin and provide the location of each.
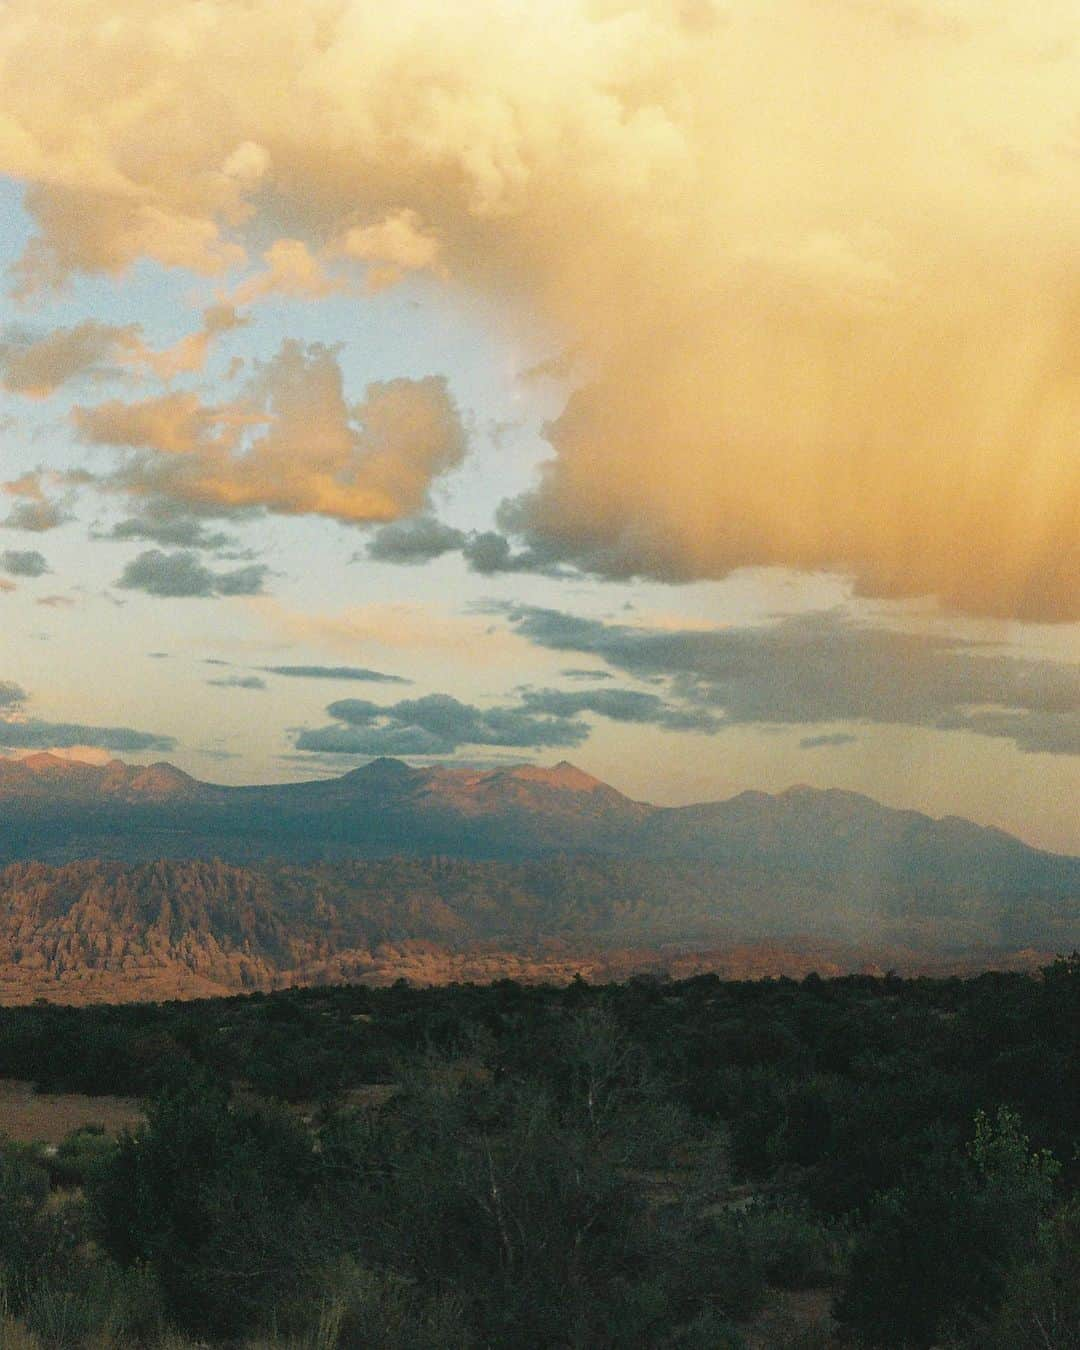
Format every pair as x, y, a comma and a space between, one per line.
159, 656
587, 674
435, 725
34, 734
162, 522
33, 509
36, 517
336, 673
826, 739
23, 562
239, 682
418, 540
488, 552
11, 694
183, 576
56, 601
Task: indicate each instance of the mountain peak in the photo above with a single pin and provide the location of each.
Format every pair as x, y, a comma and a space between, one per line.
160, 780
563, 775
385, 767
44, 761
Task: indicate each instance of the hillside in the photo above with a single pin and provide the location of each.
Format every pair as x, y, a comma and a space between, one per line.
56, 810
99, 930
125, 881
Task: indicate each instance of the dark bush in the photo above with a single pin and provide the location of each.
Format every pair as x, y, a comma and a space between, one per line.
938, 1250
216, 1197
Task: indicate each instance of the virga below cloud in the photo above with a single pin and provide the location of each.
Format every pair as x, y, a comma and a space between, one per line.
818, 264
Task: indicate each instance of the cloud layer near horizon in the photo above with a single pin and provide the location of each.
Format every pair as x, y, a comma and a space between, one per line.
21, 732
816, 263
825, 667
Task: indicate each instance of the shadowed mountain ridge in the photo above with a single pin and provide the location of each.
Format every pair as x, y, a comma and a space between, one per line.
59, 810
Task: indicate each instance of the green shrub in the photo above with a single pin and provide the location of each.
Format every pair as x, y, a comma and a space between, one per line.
713, 1269
216, 1197
38, 1242
790, 1248
1041, 1307
938, 1250
80, 1156
530, 1224
361, 1309
709, 1330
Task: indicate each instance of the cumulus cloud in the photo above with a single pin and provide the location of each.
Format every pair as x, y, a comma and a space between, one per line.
419, 539
290, 269
37, 366
36, 517
826, 667
33, 509
423, 538
187, 355
360, 673
11, 694
391, 248
182, 575
162, 522
294, 447
438, 724
489, 552
435, 725
819, 260
23, 563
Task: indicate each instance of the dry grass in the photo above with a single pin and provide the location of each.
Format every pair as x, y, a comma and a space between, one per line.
14, 1336
31, 1117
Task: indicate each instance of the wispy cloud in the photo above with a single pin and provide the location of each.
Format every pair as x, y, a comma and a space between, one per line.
361, 673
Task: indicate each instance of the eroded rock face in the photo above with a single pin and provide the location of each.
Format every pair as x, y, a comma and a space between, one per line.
457, 873
104, 931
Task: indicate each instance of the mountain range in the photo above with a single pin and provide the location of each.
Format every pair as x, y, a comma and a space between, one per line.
132, 881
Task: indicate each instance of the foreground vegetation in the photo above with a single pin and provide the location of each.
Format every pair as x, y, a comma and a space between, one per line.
649, 1164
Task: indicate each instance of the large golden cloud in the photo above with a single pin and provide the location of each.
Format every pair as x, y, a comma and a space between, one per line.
819, 258
294, 446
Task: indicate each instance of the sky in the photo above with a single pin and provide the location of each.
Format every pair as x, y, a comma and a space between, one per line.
688, 390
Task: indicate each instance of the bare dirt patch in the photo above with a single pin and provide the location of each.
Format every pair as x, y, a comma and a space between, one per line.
32, 1117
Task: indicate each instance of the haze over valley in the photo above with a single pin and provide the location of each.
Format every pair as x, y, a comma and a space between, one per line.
131, 882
